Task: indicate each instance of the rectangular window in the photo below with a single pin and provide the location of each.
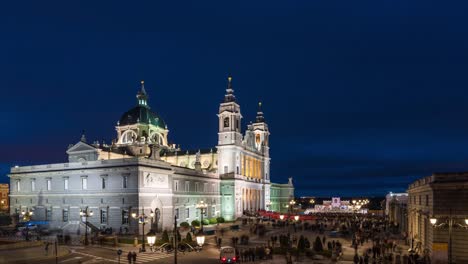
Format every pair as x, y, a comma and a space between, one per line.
187, 212
103, 183
176, 185
18, 186
205, 187
125, 217
65, 183
125, 182
225, 169
49, 184
65, 215
196, 187
187, 186
213, 211
49, 214
84, 183
177, 213
427, 200
212, 187
419, 199
33, 185
103, 216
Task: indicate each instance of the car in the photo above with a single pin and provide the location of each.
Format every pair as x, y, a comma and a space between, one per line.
227, 255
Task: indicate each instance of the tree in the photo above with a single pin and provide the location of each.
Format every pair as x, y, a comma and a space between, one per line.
318, 247
195, 223
165, 236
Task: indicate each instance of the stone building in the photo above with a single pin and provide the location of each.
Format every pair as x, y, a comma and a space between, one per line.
396, 210
443, 196
4, 199
141, 170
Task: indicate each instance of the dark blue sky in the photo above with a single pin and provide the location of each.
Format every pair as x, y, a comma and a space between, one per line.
362, 97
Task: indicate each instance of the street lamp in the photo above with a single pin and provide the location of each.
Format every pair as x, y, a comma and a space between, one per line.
296, 218
151, 237
449, 223
281, 217
202, 206
200, 241
291, 207
141, 220
86, 213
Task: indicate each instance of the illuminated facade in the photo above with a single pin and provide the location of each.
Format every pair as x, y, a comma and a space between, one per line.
141, 170
4, 191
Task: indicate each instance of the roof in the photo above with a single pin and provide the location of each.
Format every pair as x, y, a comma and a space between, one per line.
190, 152
141, 114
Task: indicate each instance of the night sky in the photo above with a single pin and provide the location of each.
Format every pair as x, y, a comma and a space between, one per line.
362, 97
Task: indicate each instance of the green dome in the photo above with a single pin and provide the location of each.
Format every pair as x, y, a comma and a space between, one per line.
141, 114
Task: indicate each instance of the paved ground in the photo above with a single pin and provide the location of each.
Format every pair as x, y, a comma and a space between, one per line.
209, 255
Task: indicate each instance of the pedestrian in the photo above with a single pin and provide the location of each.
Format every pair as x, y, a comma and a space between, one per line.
134, 257
46, 248
129, 257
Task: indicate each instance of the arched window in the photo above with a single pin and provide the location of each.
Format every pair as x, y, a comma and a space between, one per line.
129, 136
157, 138
226, 122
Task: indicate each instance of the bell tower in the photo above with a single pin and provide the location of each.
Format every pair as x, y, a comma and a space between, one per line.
229, 115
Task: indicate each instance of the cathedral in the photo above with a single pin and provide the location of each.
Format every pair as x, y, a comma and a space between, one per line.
141, 172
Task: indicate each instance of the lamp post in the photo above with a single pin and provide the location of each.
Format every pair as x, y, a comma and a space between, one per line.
291, 208
202, 206
450, 222
27, 215
86, 213
151, 237
175, 239
141, 220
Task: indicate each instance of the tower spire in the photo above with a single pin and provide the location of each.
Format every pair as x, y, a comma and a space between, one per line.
260, 118
142, 96
229, 97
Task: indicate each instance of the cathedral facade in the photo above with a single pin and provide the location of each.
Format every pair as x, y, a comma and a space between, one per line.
142, 172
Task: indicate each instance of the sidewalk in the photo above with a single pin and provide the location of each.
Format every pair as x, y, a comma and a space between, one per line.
32, 254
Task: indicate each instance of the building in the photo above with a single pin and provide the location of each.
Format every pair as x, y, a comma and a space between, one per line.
396, 210
4, 199
443, 196
336, 205
141, 170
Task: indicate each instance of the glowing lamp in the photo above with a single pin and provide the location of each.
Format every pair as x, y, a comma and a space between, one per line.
433, 221
281, 217
466, 221
200, 240
296, 217
151, 238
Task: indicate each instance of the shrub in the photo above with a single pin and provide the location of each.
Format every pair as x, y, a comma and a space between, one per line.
165, 237
195, 223
5, 220
220, 219
188, 238
206, 222
185, 224
213, 221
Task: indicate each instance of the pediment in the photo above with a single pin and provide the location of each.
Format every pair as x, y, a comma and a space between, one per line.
81, 147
